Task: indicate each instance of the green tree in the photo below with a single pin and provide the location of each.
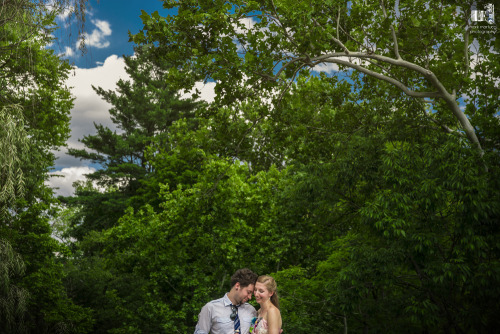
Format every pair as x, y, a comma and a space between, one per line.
13, 147
12, 298
36, 104
221, 216
422, 49
144, 108
135, 161
367, 198
406, 218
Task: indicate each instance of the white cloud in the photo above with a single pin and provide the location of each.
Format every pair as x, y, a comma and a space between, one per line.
103, 26
65, 10
207, 91
65, 13
248, 22
328, 68
88, 106
62, 181
68, 52
98, 36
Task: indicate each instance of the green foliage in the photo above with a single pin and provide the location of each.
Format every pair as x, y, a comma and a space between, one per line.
220, 216
35, 107
12, 298
372, 209
254, 49
48, 308
13, 148
143, 110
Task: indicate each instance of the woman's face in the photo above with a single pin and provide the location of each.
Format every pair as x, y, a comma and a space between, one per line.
261, 293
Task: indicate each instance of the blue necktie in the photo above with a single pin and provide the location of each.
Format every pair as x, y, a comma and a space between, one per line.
236, 320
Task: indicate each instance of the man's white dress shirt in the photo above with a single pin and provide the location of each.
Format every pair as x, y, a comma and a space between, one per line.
215, 318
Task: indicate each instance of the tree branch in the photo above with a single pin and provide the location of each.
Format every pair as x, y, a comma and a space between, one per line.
393, 81
399, 62
276, 76
466, 52
393, 32
450, 99
444, 127
336, 40
338, 24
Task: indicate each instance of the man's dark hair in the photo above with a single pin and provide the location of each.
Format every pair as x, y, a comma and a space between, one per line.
244, 276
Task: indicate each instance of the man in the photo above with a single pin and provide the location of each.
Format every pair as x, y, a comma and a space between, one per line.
231, 313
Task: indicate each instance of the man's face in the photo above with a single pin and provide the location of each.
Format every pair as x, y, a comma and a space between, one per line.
243, 294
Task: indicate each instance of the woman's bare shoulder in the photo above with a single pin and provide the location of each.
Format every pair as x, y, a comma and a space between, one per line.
274, 311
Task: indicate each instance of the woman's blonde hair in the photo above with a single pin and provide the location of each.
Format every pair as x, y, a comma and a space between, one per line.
271, 286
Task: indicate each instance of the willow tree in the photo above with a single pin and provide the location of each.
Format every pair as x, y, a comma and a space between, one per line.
34, 114
13, 146
30, 18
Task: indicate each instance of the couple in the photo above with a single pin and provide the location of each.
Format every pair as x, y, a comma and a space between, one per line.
232, 314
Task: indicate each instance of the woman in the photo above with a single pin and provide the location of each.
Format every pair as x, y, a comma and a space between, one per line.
269, 316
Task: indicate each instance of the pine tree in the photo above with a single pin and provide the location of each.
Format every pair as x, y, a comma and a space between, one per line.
144, 109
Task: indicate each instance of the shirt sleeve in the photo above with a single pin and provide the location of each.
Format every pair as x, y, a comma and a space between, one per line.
254, 312
204, 320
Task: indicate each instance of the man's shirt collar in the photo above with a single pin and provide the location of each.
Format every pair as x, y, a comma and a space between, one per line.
226, 300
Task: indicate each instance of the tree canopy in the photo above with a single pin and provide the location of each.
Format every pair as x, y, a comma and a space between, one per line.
34, 114
351, 152
422, 49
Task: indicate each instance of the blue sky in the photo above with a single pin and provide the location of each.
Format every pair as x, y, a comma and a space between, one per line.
108, 23
107, 27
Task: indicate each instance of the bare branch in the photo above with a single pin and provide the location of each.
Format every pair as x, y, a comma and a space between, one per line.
338, 24
466, 52
275, 77
444, 127
393, 81
389, 60
393, 32
336, 40
279, 61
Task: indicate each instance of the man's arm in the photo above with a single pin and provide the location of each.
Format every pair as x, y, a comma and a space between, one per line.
204, 320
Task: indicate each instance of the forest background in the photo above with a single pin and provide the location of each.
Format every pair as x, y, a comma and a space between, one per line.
370, 194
